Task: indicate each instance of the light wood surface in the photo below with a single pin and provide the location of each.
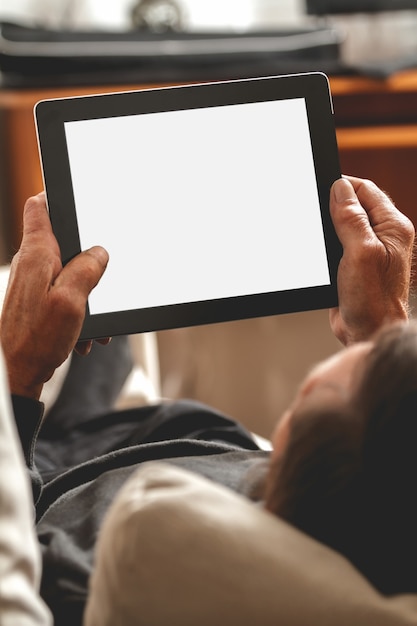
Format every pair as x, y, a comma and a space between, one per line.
376, 128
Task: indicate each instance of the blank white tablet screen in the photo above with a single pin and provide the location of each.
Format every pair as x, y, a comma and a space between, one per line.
198, 204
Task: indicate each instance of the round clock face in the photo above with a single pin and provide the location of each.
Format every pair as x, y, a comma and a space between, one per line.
156, 15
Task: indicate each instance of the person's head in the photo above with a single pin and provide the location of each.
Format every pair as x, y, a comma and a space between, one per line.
344, 466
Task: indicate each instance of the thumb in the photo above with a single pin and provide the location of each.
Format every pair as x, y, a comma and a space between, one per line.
349, 218
36, 222
83, 272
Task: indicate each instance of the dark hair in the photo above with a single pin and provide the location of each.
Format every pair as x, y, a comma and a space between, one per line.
348, 475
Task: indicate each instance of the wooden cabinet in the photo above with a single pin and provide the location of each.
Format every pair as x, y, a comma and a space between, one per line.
377, 133
376, 126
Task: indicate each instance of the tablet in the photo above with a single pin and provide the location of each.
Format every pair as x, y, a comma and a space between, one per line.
211, 199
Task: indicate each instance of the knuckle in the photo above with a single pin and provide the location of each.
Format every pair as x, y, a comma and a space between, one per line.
367, 253
408, 229
383, 260
92, 267
403, 234
67, 305
368, 186
366, 182
92, 271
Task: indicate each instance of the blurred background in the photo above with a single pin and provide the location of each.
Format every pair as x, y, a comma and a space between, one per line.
368, 48
389, 29
197, 14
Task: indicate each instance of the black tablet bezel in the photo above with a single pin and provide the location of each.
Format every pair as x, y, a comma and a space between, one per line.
50, 117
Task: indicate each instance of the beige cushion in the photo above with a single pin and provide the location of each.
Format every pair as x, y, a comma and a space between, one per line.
178, 549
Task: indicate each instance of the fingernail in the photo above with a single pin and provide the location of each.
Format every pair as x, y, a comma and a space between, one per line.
101, 254
343, 190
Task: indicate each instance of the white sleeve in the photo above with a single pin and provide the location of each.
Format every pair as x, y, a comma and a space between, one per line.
20, 561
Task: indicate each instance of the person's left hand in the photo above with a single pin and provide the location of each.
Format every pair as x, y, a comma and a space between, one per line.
45, 303
373, 278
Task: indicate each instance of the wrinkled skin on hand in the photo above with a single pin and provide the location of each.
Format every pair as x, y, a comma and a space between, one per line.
375, 269
45, 303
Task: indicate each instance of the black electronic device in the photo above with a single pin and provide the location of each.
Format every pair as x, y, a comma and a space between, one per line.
212, 199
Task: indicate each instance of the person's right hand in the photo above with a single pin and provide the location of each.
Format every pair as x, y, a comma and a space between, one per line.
375, 270
45, 303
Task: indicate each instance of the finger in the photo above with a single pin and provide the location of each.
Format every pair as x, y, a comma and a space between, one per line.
36, 220
350, 219
386, 220
83, 347
83, 272
104, 341
376, 202
381, 210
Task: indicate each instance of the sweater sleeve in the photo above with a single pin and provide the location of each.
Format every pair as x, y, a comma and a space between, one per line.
28, 415
20, 559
